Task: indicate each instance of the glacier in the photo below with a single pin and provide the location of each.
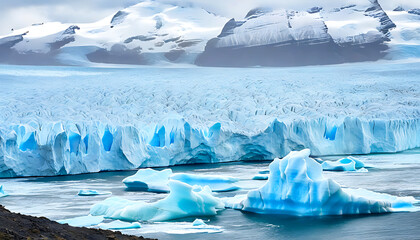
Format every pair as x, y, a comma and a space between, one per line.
183, 201
141, 120
57, 149
296, 186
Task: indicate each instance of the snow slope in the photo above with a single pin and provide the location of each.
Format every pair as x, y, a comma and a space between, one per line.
145, 33
66, 120
355, 31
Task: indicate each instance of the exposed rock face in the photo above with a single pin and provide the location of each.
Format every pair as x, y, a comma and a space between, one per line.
18, 226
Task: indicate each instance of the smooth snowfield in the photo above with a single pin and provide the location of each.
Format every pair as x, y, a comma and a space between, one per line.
296, 186
65, 120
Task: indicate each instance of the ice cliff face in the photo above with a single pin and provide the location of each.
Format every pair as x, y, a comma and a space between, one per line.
115, 119
270, 37
152, 32
58, 149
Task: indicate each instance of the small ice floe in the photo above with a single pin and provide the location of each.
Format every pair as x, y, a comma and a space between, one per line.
149, 180
84, 221
198, 226
260, 177
2, 192
118, 225
344, 164
87, 192
183, 201
297, 186
157, 181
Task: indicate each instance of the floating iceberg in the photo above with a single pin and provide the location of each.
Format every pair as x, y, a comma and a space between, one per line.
183, 201
216, 183
157, 181
2, 192
296, 186
149, 180
198, 222
117, 225
261, 177
85, 221
87, 192
344, 164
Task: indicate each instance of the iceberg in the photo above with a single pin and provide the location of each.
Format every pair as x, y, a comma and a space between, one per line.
87, 192
2, 192
183, 201
216, 183
296, 186
344, 164
149, 180
198, 222
157, 181
118, 225
260, 177
84, 221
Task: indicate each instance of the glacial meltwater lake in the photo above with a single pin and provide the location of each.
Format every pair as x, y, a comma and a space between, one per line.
397, 174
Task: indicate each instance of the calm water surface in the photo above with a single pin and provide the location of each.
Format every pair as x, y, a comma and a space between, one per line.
397, 174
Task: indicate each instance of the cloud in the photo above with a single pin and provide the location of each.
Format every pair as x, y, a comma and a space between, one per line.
21, 13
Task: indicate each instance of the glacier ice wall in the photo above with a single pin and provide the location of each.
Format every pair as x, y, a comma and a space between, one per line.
71, 148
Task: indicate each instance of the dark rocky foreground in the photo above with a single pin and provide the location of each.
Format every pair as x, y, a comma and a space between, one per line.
18, 226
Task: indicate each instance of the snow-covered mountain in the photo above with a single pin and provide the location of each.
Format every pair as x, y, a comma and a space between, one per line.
145, 33
349, 33
153, 33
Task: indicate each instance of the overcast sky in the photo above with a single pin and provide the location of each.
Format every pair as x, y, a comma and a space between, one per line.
20, 13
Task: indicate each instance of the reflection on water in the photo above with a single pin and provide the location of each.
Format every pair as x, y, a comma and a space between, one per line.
397, 174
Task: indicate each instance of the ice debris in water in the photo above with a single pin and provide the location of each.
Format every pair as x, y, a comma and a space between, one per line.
149, 180
87, 192
84, 221
2, 192
184, 200
344, 164
296, 186
198, 222
260, 177
117, 224
157, 181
